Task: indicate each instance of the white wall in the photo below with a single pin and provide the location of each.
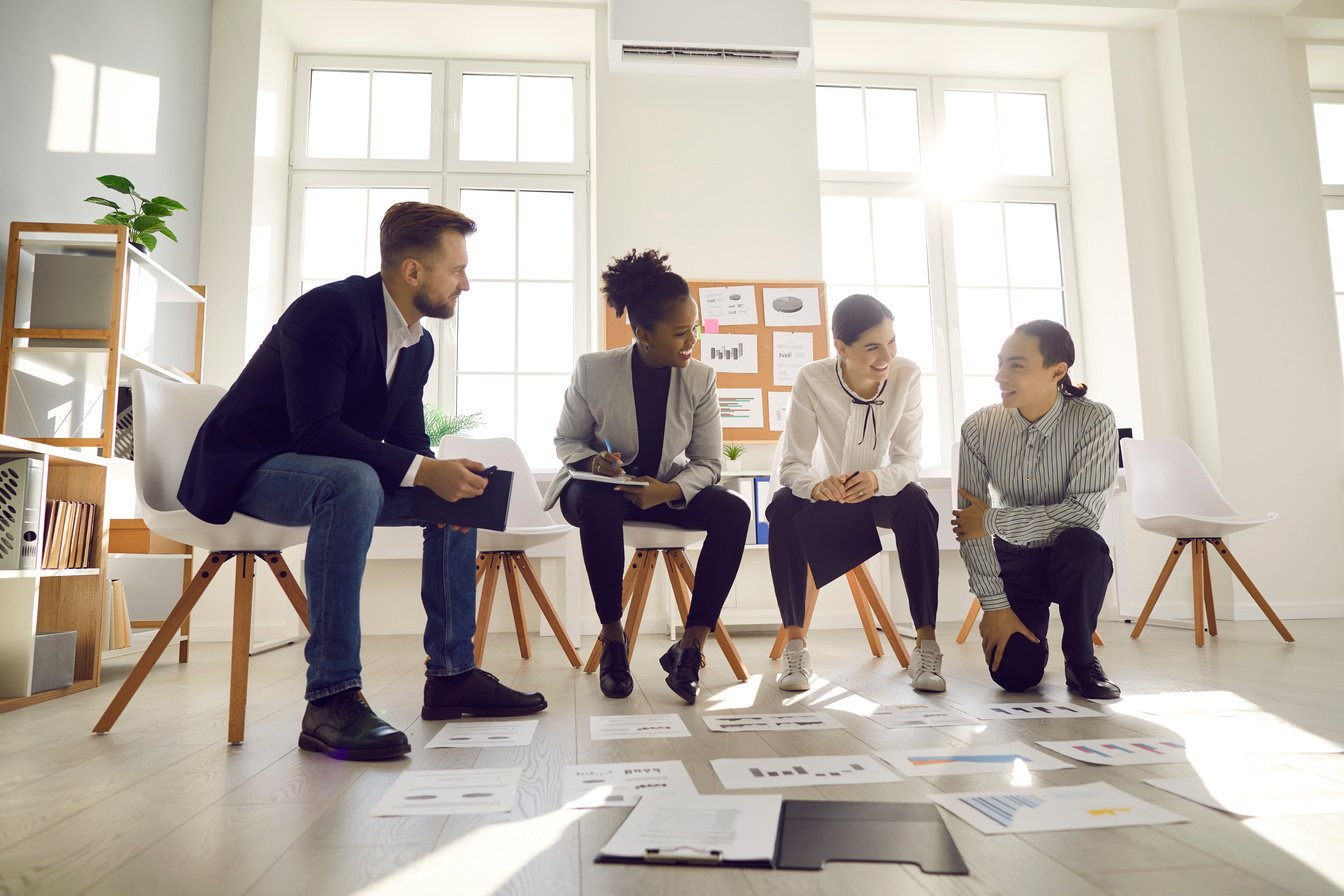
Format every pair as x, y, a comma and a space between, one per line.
169, 43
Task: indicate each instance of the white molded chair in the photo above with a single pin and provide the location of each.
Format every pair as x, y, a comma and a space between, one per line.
167, 415
649, 540
1171, 493
867, 600
528, 526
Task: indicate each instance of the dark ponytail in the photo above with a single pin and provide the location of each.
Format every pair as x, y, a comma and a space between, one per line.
641, 286
1056, 345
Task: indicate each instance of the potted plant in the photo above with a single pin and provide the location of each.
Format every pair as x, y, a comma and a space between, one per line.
733, 456
144, 219
439, 423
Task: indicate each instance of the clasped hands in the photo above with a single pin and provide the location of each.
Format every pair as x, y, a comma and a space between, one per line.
608, 463
845, 488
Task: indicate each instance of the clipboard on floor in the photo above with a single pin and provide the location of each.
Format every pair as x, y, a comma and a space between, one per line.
488, 510
704, 829
836, 538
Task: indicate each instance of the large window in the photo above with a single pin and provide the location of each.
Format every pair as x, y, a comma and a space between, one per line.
506, 144
948, 201
1329, 108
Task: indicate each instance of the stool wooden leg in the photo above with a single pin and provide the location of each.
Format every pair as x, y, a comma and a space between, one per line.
811, 604
1161, 583
242, 642
1197, 576
485, 604
516, 603
679, 593
865, 614
1226, 553
884, 619
627, 589
720, 634
1096, 639
482, 561
1210, 618
971, 612
207, 573
639, 597
547, 609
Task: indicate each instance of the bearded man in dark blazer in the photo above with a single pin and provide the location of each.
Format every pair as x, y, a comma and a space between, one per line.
325, 428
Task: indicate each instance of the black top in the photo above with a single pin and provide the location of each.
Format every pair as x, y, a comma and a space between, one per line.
651, 388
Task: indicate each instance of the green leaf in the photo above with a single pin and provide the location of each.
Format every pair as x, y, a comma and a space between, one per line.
98, 200
117, 182
118, 218
170, 203
168, 233
146, 223
153, 208
147, 240
105, 220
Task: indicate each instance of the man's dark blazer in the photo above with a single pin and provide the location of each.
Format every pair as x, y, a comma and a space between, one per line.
317, 385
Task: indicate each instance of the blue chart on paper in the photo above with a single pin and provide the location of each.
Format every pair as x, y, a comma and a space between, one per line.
1001, 809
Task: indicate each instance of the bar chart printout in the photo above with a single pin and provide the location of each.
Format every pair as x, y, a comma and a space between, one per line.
1139, 751
1032, 810
801, 771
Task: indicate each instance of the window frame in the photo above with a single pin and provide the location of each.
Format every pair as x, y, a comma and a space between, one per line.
924, 111
1334, 98
1059, 176
578, 72
304, 65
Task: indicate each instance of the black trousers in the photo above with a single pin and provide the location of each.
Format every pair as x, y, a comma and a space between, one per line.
910, 516
598, 511
1074, 573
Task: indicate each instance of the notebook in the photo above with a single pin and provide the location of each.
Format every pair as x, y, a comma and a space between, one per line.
488, 510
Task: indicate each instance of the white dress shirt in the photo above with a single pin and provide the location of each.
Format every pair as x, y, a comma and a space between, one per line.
400, 335
830, 430
1038, 478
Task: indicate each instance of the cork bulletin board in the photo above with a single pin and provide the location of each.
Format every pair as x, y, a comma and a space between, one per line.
757, 334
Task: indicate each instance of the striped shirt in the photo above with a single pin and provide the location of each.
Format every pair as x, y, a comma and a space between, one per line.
1038, 478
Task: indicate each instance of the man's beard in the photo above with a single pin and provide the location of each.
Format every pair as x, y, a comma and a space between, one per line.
427, 309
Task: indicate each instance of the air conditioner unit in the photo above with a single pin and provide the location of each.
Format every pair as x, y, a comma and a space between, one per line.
739, 37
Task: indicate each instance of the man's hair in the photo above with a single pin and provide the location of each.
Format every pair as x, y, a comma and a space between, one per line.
410, 227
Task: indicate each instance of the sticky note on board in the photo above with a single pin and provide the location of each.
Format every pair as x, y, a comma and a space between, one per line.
711, 325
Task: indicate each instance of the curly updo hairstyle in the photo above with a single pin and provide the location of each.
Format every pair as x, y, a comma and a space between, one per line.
642, 287
1056, 346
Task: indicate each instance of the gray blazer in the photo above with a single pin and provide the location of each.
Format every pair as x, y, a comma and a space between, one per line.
600, 404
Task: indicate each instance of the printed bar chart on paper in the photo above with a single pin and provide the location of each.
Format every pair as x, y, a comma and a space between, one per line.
1118, 751
1007, 758
801, 771
778, 721
994, 712
919, 715
1031, 810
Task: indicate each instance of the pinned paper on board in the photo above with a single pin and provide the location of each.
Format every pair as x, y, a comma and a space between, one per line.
791, 352
741, 408
779, 409
730, 352
731, 306
792, 307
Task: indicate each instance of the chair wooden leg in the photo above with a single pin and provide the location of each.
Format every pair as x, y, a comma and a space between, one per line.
1210, 618
184, 646
482, 561
1161, 583
865, 614
1223, 551
639, 598
627, 589
280, 569
516, 604
484, 605
720, 634
547, 609
1197, 577
971, 612
1096, 639
208, 571
884, 619
810, 606
244, 578
679, 592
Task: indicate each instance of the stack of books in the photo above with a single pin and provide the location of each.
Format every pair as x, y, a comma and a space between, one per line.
70, 535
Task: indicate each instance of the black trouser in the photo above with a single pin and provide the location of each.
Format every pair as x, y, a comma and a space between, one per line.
598, 511
911, 518
1074, 573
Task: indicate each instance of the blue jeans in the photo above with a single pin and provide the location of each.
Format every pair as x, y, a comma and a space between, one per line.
341, 501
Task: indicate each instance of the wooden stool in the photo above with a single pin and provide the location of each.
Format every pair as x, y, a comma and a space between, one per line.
635, 591
868, 602
974, 611
488, 565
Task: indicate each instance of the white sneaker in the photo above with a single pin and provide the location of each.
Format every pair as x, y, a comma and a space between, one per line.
797, 674
926, 667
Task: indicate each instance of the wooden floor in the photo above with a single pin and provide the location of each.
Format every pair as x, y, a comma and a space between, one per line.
162, 805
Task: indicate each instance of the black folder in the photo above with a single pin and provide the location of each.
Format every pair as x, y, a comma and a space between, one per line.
814, 832
488, 510
836, 538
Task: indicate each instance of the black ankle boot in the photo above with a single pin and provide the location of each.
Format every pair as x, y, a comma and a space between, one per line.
614, 670
682, 665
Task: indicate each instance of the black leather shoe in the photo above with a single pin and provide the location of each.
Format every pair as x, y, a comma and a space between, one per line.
345, 727
614, 671
1090, 681
477, 694
682, 665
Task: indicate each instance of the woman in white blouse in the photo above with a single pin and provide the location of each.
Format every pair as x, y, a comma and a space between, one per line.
853, 435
